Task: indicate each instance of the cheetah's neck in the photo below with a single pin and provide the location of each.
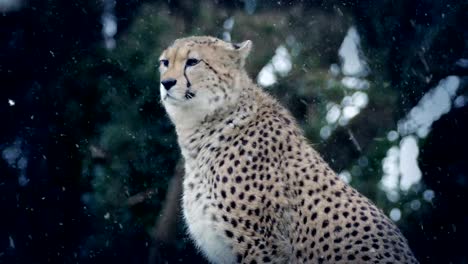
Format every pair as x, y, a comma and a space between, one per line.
226, 121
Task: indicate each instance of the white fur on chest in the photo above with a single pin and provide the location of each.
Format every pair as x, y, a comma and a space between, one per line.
206, 233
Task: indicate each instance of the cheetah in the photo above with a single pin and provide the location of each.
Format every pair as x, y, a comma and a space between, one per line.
254, 190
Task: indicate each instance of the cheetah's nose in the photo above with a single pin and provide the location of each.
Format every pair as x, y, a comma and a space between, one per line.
168, 83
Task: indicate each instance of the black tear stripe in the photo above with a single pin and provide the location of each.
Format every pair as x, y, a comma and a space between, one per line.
185, 73
188, 94
186, 78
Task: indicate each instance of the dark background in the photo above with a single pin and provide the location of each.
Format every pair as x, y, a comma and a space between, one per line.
89, 172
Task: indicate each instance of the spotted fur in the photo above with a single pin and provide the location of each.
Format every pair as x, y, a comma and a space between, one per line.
255, 191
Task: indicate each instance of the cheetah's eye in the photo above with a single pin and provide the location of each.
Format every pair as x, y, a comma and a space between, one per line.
191, 62
164, 62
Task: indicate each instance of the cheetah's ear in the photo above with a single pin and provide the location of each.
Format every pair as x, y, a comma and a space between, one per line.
243, 48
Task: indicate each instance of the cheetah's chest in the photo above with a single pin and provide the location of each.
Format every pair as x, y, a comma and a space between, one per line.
198, 213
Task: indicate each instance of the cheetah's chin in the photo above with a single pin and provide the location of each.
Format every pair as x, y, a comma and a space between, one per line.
171, 98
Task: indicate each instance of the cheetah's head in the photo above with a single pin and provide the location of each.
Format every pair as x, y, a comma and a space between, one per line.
200, 75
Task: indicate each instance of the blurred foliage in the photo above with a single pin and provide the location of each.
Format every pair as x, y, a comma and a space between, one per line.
97, 113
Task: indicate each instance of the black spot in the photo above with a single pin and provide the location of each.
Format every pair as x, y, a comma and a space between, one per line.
239, 258
229, 233
298, 254
325, 247
313, 216
234, 223
314, 232
325, 223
